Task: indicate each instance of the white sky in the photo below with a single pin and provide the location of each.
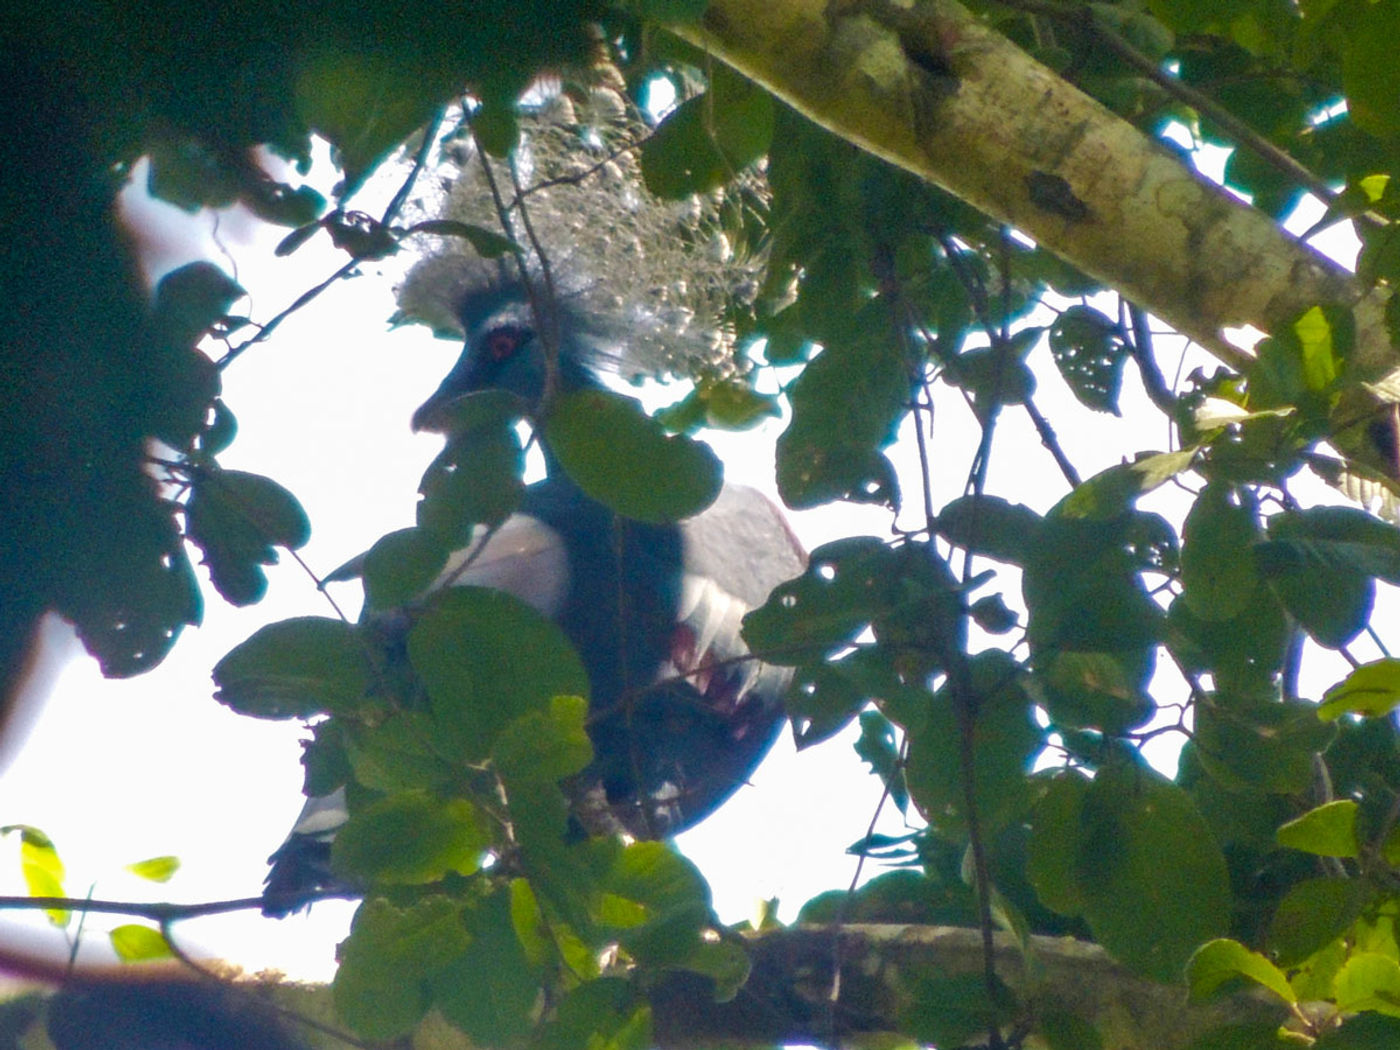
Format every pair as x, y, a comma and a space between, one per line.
117, 771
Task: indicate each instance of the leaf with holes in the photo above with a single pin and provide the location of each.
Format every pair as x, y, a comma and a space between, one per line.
1089, 351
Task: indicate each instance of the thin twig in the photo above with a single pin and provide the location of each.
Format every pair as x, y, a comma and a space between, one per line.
1140, 348
1051, 442
266, 330
161, 912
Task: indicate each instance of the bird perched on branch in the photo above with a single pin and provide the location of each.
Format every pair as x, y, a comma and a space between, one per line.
680, 712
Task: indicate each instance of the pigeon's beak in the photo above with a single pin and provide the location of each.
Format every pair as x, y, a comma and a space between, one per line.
432, 414
429, 414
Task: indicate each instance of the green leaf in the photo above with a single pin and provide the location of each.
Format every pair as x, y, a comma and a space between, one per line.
1329, 830
991, 526
1247, 648
410, 838
665, 11
1261, 745
995, 376
707, 140
475, 479
658, 902
1101, 690
623, 458
1223, 960
723, 962
878, 746
846, 406
1056, 834
1325, 338
1112, 491
546, 746
365, 103
602, 1014
1089, 351
134, 943
496, 127
822, 700
237, 519
951, 1011
1217, 563
844, 588
400, 566
486, 658
1005, 740
1320, 562
380, 989
491, 991
41, 867
1361, 1032
1369, 75
1153, 879
1066, 1031
1083, 590
729, 404
155, 869
1369, 981
1312, 914
295, 669
403, 752
1251, 1035
993, 615
1372, 689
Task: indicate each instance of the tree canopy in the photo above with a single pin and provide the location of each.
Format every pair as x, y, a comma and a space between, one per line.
918, 184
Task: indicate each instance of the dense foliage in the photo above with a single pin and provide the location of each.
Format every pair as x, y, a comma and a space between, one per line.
986, 643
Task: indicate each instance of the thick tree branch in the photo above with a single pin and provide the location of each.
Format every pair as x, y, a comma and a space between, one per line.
787, 997
931, 89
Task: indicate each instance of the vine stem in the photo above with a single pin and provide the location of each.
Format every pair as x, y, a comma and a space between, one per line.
158, 912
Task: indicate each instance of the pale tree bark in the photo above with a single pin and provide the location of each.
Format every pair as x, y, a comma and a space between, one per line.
932, 90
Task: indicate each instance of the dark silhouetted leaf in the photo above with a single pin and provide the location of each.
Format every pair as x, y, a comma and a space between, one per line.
705, 141
1217, 563
1313, 913
845, 587
1004, 741
400, 566
846, 405
1100, 690
623, 458
295, 669
989, 525
237, 519
1089, 351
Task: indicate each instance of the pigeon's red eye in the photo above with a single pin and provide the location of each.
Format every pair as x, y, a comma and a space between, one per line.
502, 343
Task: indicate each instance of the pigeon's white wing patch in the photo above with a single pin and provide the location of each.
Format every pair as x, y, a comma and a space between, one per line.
524, 557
